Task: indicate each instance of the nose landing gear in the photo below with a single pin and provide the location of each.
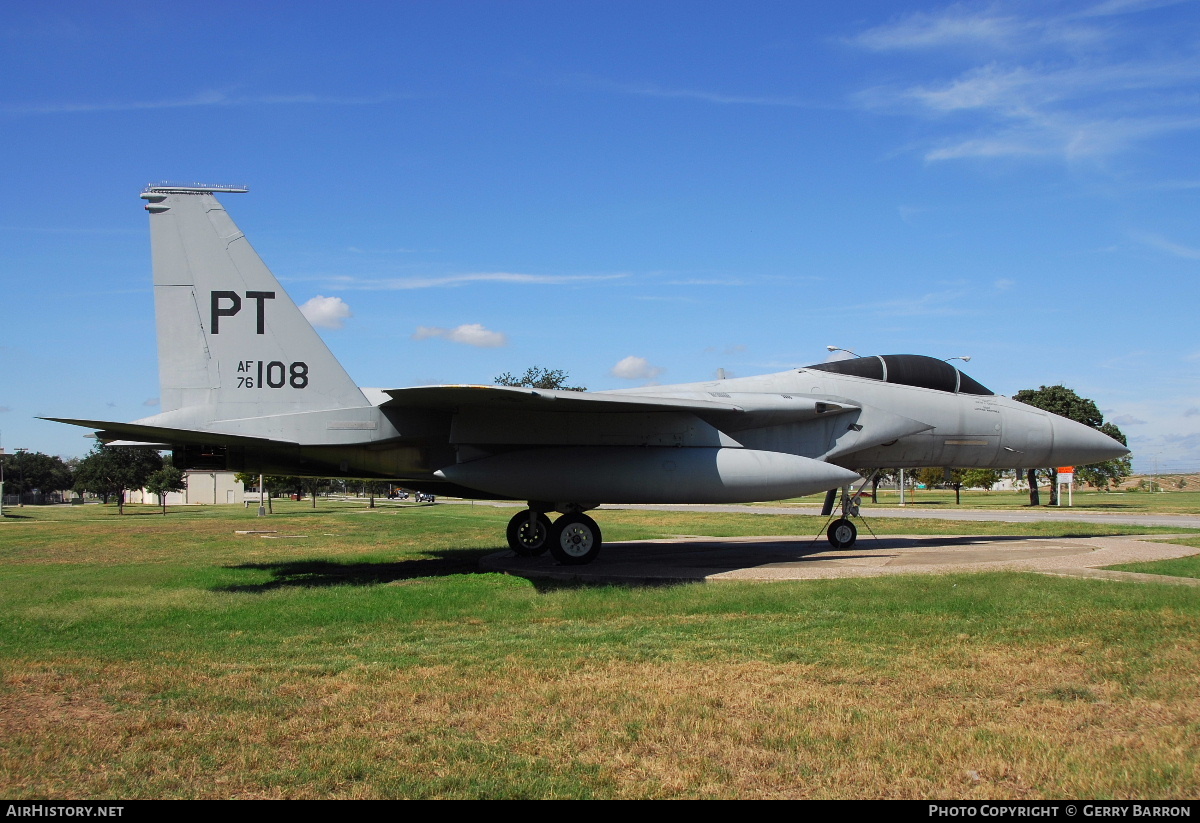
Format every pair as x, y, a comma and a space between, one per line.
842, 533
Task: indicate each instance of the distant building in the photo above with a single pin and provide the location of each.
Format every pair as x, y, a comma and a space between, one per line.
203, 488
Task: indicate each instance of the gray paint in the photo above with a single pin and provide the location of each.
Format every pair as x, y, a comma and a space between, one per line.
223, 320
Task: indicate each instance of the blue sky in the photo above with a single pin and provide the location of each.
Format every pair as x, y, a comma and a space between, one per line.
633, 192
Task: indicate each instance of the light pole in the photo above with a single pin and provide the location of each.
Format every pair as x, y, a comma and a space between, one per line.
839, 348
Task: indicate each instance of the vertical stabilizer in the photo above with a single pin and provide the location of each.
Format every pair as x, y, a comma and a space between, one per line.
231, 343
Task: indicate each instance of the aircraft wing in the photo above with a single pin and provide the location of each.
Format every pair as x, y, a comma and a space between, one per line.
750, 410
138, 444
451, 398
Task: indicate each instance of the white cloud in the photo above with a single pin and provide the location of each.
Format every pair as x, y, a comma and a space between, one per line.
150, 401
635, 368
715, 281
980, 27
469, 334
1168, 246
954, 27
1004, 284
1128, 420
326, 312
933, 304
1040, 85
200, 99
1191, 412
702, 95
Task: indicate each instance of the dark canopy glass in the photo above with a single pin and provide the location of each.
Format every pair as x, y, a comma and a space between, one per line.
907, 370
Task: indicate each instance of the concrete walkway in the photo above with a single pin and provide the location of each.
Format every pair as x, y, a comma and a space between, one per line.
692, 558
914, 511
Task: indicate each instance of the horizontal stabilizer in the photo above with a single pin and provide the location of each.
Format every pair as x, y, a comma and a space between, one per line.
111, 433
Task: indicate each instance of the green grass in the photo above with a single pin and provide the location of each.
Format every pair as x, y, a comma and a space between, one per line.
366, 656
1179, 567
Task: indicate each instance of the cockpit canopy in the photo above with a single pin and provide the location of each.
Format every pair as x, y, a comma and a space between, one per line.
907, 370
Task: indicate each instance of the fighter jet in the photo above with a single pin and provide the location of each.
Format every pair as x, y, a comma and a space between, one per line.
248, 385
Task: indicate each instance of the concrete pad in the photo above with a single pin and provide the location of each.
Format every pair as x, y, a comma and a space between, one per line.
805, 558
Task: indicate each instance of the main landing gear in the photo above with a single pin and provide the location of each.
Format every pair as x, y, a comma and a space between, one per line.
573, 539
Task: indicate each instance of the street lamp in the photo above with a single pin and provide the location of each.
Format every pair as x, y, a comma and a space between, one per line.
966, 358
838, 348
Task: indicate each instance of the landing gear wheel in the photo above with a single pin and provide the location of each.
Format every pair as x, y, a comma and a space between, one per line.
575, 539
528, 540
842, 534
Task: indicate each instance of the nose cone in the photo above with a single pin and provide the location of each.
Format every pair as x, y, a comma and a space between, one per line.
1078, 445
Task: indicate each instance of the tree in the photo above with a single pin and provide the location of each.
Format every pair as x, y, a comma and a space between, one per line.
941, 476
931, 477
980, 478
314, 485
536, 377
110, 470
165, 480
26, 471
878, 476
374, 487
1066, 403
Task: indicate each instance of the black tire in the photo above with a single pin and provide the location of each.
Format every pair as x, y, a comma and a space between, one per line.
575, 539
842, 534
527, 542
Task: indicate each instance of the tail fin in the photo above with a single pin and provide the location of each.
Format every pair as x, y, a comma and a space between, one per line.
231, 343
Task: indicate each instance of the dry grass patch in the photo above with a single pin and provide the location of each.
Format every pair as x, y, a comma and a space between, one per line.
992, 722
